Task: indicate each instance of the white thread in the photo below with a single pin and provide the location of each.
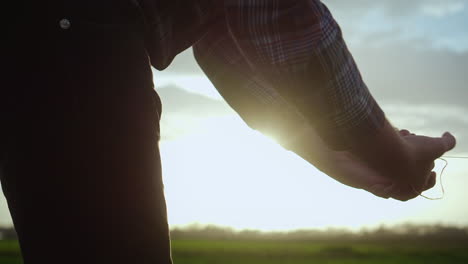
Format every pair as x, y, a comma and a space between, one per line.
440, 178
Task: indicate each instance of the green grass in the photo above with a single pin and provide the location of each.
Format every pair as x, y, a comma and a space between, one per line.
284, 252
10, 252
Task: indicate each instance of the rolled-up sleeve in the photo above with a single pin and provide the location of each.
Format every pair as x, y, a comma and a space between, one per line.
284, 66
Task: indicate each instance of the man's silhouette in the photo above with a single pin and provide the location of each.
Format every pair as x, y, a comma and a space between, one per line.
80, 164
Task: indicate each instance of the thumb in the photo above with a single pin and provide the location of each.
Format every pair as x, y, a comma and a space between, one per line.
442, 144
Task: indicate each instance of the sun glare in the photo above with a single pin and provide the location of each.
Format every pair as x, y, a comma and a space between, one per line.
228, 174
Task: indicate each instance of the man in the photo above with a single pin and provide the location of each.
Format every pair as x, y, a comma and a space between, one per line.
80, 164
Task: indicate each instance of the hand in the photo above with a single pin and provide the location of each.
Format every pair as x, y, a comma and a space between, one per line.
423, 151
342, 166
348, 169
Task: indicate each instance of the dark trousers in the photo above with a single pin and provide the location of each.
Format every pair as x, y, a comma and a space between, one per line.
79, 158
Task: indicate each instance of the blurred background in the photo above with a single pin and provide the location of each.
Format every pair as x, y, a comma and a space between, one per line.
413, 56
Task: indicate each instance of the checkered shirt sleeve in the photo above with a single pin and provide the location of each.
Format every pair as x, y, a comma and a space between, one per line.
283, 66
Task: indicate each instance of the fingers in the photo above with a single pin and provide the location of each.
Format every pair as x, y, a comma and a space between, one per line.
431, 181
404, 132
439, 146
404, 193
382, 190
407, 192
392, 191
449, 141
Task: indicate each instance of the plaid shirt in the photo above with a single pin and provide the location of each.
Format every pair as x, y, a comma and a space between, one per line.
282, 65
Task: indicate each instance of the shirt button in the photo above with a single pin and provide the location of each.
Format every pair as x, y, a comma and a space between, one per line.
64, 23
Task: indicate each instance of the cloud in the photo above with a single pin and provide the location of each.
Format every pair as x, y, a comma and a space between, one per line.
440, 10
400, 73
431, 120
178, 100
441, 23
185, 113
400, 8
395, 72
420, 89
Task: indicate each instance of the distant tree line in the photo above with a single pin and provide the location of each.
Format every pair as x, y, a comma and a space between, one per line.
7, 233
404, 232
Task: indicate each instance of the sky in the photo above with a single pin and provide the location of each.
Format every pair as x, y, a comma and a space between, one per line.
413, 55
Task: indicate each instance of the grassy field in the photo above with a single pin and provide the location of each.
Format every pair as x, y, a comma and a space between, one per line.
284, 252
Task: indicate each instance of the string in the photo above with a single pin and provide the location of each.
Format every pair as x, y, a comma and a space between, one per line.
443, 158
